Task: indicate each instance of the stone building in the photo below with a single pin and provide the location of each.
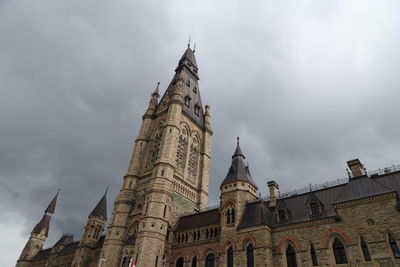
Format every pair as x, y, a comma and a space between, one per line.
160, 216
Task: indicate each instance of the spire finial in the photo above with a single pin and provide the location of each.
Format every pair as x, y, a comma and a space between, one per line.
237, 140
156, 91
194, 48
189, 42
105, 193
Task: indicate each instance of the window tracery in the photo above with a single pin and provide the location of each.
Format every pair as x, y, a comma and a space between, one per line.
181, 150
155, 148
193, 157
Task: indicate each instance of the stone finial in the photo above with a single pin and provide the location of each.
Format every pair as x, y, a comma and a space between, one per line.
273, 193
356, 167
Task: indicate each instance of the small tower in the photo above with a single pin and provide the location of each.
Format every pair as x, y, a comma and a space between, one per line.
38, 235
237, 189
93, 230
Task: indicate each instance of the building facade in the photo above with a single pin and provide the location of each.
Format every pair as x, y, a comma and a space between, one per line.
160, 216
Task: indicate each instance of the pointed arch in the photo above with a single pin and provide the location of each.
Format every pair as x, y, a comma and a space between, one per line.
334, 232
291, 258
286, 240
229, 257
393, 245
339, 251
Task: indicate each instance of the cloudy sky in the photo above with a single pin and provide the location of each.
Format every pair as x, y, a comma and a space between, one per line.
307, 85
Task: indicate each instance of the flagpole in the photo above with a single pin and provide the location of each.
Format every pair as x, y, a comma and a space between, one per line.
101, 261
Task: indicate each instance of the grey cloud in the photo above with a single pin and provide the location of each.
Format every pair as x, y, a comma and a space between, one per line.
306, 87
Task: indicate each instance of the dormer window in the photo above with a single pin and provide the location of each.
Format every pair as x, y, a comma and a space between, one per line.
315, 208
282, 215
187, 101
197, 110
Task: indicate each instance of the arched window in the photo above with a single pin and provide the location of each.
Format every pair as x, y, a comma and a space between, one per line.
179, 262
194, 261
313, 256
394, 247
181, 150
156, 262
193, 156
339, 252
365, 250
206, 233
155, 149
228, 217
250, 255
230, 257
291, 256
210, 260
233, 216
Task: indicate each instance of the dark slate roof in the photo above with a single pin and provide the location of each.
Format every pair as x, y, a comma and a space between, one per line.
362, 187
239, 169
52, 206
42, 255
101, 207
187, 69
43, 224
297, 206
69, 249
255, 213
65, 240
196, 220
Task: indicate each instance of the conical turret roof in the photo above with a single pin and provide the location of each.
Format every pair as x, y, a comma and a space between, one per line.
52, 206
101, 207
239, 169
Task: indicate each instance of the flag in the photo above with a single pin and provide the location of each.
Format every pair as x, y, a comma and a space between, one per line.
131, 263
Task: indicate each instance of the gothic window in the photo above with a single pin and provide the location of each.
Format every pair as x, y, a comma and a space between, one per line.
291, 256
198, 234
365, 250
155, 148
230, 257
339, 252
228, 217
215, 231
282, 215
206, 233
179, 262
197, 110
187, 101
250, 255
132, 238
313, 256
193, 158
314, 208
394, 247
194, 261
156, 262
210, 260
188, 82
181, 150
233, 216
125, 262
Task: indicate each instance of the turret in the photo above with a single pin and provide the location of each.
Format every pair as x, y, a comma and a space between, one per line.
38, 235
92, 233
237, 189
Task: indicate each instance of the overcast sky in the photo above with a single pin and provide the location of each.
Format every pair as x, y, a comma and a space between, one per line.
307, 85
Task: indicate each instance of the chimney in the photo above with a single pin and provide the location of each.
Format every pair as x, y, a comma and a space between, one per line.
356, 167
273, 193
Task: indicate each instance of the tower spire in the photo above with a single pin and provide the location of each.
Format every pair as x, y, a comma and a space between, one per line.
52, 206
101, 207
